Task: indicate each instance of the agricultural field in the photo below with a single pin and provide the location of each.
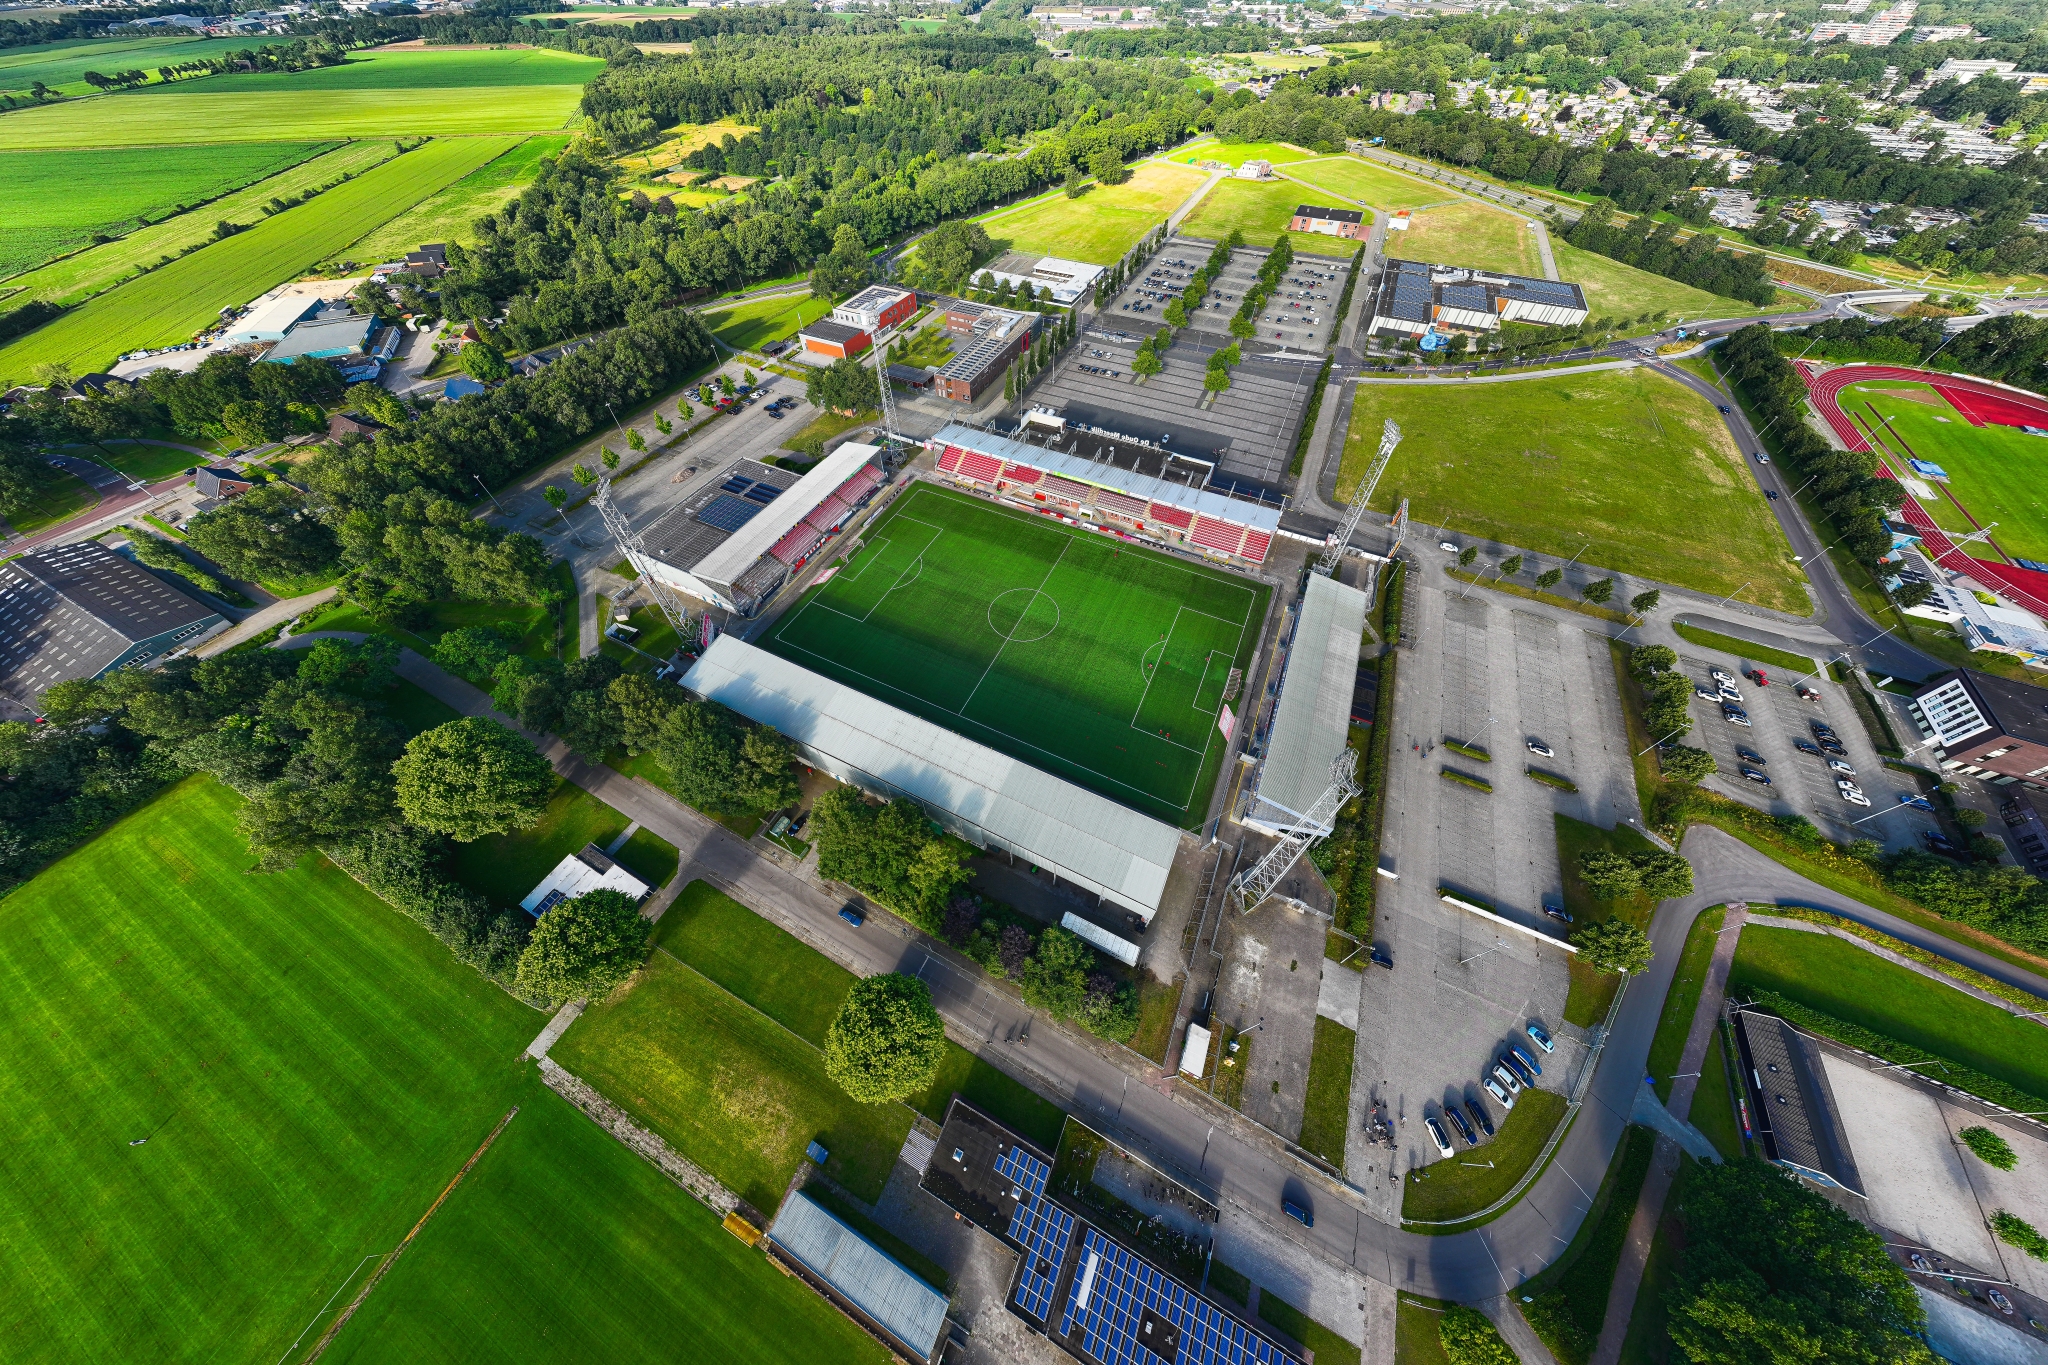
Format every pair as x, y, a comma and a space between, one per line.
1999, 473
1235, 154
58, 201
1101, 664
1261, 210
1620, 467
194, 113
1103, 224
62, 66
451, 215
79, 276
1469, 234
428, 68
172, 303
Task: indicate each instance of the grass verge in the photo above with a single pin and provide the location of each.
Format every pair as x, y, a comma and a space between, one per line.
1327, 1346
1158, 1003
1683, 999
1326, 1111
1794, 664
506, 867
1418, 1338
1538, 595
1445, 1190
1571, 1293
1593, 992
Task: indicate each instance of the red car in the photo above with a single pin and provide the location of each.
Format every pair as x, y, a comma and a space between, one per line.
1757, 676
1806, 693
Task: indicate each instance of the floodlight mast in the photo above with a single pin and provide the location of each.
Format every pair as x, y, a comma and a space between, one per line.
635, 553
1252, 887
888, 398
1333, 549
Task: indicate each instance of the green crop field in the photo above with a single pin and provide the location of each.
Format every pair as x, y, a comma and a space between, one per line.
58, 201
77, 277
309, 1068
1261, 210
1999, 473
451, 215
62, 66
171, 304
1469, 234
1103, 224
1097, 661
420, 69
1627, 469
191, 112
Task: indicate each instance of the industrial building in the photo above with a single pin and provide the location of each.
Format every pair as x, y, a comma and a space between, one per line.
835, 339
82, 611
987, 798
1157, 502
1346, 223
1310, 725
1068, 280
855, 324
1413, 298
992, 338
737, 542
1992, 728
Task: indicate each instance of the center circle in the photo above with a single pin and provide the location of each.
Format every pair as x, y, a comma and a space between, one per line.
1022, 615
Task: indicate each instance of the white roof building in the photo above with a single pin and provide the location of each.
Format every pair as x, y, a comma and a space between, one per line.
1312, 724
1068, 280
986, 797
589, 869
905, 1310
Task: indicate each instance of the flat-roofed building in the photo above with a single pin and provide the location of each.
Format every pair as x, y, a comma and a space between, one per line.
835, 339
1413, 297
1311, 725
876, 308
993, 337
862, 1280
988, 798
1067, 280
588, 869
1349, 224
326, 336
1991, 728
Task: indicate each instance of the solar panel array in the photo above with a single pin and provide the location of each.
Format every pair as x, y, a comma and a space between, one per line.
738, 483
1041, 1228
727, 513
1119, 1291
1550, 291
1026, 1170
763, 493
1412, 298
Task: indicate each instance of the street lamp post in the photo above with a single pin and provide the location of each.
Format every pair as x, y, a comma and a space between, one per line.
489, 494
1731, 596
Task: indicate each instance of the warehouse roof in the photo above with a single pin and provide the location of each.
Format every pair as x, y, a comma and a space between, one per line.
753, 538
1313, 721
76, 610
902, 1305
1056, 822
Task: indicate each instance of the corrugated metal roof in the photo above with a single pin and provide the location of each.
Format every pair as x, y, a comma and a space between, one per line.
909, 1309
1087, 837
1110, 476
1313, 720
726, 562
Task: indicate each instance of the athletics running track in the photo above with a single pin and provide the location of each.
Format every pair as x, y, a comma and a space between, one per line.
1982, 403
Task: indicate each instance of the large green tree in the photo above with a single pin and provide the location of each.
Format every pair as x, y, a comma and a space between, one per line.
582, 948
1613, 946
717, 762
1609, 876
267, 532
887, 1040
472, 777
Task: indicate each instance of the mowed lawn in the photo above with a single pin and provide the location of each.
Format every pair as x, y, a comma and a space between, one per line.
1999, 473
101, 267
308, 1066
744, 326
1469, 234
1838, 978
562, 1245
59, 200
172, 303
1618, 291
1103, 224
192, 113
1097, 661
1368, 182
1626, 469
451, 215
1261, 210
1235, 154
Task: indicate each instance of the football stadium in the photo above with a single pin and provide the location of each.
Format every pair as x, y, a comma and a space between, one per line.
1082, 654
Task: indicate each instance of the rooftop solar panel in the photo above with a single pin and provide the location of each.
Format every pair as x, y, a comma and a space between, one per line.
1044, 1231
763, 493
1026, 1170
738, 483
727, 513
1122, 1310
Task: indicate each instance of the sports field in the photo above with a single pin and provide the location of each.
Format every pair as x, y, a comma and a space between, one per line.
1627, 469
1091, 659
172, 303
58, 200
1103, 224
1261, 210
1999, 473
451, 215
1368, 182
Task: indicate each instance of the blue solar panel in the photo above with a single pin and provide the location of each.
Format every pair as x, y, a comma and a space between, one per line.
1044, 1230
1026, 1170
763, 493
1111, 1292
727, 513
738, 483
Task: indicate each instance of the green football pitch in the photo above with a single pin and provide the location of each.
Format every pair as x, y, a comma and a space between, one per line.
1999, 473
1087, 657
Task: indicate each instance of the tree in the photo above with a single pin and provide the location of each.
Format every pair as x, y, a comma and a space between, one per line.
473, 651
844, 386
1681, 764
582, 948
1609, 876
484, 363
267, 533
1147, 362
1646, 661
1598, 591
1549, 578
582, 475
1645, 602
1663, 875
1773, 1272
555, 496
887, 1040
1467, 555
1470, 1339
1613, 946
472, 777
1510, 566
844, 268
1056, 978
1970, 818
643, 704
1990, 1148
1913, 594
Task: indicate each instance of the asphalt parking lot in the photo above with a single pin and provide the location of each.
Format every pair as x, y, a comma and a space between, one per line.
1801, 783
1301, 313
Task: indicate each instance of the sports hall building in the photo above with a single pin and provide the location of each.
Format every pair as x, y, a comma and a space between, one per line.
1413, 297
735, 544
1161, 499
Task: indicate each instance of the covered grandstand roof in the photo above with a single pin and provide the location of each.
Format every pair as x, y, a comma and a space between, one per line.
741, 550
1313, 721
909, 1311
1128, 481
1084, 838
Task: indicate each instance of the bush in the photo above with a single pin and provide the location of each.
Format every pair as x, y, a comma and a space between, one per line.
2016, 1231
1990, 1148
401, 865
1469, 1339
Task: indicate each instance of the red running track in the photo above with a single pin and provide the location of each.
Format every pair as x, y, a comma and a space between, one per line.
1982, 404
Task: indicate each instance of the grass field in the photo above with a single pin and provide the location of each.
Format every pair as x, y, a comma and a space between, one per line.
1103, 224
1584, 1273
1470, 234
194, 113
420, 69
678, 143
1999, 473
62, 66
58, 201
506, 867
313, 1068
145, 462
563, 1245
1593, 992
1451, 1189
1681, 1003
1235, 154
1099, 662
88, 272
744, 326
1261, 210
1622, 291
57, 495
1623, 468
1326, 1113
450, 216
172, 303
1367, 182
1837, 978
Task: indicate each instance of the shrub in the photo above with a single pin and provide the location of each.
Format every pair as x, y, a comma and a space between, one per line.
2016, 1231
1469, 1339
1990, 1148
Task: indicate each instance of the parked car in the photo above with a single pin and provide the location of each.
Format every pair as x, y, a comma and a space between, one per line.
1834, 747
1757, 676
774, 412
1537, 746
1478, 1113
1301, 1213
1704, 695
1750, 756
1436, 1135
1514, 1064
1495, 1089
1720, 675
1806, 746
1839, 766
1526, 1059
1999, 1301
1507, 1078
853, 914
1855, 798
1821, 728
1730, 692
1734, 715
1557, 912
1541, 1037
1441, 544
1806, 693
1380, 957
1761, 779
1464, 1129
